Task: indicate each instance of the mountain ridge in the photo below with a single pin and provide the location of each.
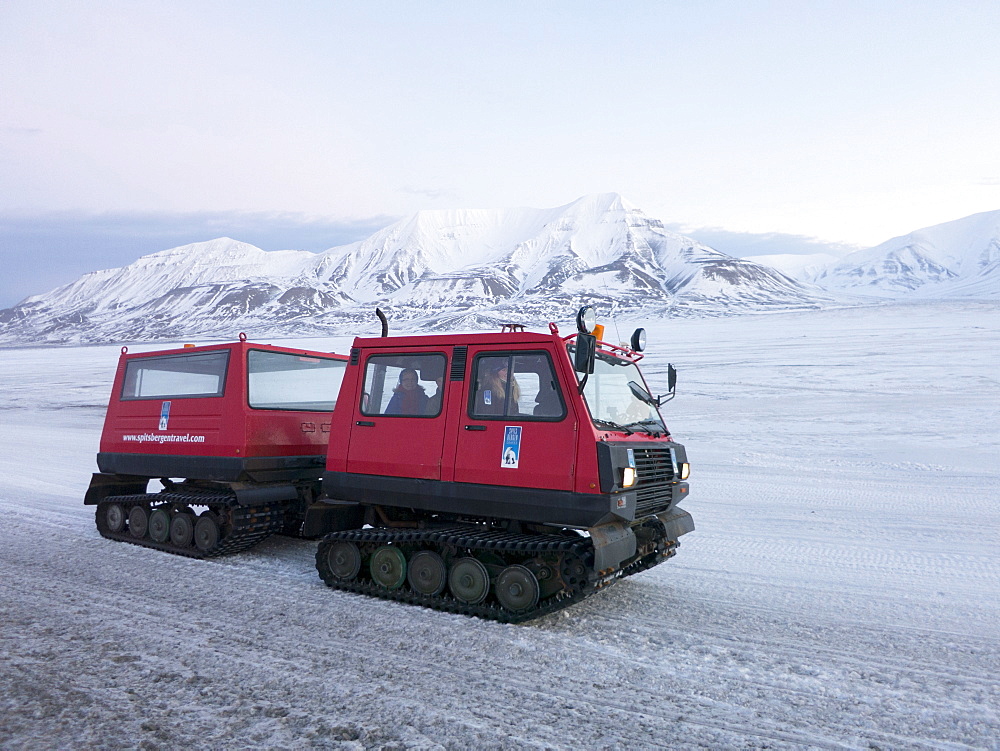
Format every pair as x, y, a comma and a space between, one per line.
440, 268
957, 258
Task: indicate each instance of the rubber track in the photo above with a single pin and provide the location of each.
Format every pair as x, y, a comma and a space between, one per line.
250, 524
570, 549
647, 562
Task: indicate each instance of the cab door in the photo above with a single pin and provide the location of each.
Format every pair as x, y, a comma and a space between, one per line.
399, 424
517, 429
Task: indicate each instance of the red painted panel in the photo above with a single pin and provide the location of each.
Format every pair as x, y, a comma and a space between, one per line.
384, 440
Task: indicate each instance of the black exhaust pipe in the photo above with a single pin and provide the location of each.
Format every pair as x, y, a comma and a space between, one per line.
385, 322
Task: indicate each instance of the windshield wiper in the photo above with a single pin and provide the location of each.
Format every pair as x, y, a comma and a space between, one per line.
644, 424
613, 425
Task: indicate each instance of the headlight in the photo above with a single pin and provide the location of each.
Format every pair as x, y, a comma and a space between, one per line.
681, 469
628, 477
639, 340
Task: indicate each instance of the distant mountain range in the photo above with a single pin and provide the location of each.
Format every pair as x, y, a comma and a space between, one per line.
467, 269
959, 259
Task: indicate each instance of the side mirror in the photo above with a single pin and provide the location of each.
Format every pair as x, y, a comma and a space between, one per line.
671, 387
586, 353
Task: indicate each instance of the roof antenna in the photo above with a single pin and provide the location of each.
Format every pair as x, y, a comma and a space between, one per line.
385, 323
612, 306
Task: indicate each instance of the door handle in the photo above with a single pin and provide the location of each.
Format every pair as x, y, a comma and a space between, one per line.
475, 427
365, 423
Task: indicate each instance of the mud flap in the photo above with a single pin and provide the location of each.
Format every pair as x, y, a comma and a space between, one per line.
676, 522
103, 484
613, 543
332, 516
248, 494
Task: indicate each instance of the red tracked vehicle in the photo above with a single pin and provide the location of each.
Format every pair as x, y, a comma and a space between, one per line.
500, 475
235, 433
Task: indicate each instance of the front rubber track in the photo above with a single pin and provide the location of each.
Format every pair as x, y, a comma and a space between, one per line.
570, 555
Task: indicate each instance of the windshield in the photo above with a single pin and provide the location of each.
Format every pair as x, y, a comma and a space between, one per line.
611, 400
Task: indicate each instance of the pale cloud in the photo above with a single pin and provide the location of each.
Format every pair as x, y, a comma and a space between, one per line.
434, 194
15, 131
849, 120
749, 244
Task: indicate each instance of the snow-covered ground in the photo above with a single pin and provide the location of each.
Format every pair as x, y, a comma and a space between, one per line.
842, 589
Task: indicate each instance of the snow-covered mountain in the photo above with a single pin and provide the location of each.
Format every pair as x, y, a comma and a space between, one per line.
448, 269
955, 259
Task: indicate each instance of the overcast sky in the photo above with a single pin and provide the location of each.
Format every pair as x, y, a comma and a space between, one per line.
141, 125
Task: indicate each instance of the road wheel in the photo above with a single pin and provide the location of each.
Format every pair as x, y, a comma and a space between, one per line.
206, 532
469, 581
427, 573
182, 530
138, 522
114, 516
159, 525
388, 567
344, 560
517, 589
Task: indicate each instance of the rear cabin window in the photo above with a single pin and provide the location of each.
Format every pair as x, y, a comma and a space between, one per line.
404, 385
195, 375
518, 385
280, 380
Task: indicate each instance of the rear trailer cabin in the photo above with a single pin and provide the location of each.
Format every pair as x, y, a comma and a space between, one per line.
238, 431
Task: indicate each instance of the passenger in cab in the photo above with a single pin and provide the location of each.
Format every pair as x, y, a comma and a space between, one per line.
493, 390
434, 402
408, 398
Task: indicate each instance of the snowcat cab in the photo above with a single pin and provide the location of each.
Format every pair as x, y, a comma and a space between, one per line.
236, 431
500, 475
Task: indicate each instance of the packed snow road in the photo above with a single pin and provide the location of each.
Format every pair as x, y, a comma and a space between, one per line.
841, 590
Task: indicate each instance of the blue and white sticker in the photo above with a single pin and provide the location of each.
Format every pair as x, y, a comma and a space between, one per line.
488, 397
164, 415
511, 447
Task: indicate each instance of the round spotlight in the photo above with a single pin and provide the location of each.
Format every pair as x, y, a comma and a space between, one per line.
586, 319
639, 340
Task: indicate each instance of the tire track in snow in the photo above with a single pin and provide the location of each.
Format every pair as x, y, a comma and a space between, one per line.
668, 707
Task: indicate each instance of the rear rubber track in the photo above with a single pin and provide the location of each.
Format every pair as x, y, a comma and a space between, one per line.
240, 527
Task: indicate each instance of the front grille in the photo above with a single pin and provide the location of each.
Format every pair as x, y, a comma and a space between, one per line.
655, 471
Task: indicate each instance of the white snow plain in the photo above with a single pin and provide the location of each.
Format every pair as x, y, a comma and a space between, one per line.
841, 590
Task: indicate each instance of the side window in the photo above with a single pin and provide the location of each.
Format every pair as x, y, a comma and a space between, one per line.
197, 375
278, 380
517, 384
404, 385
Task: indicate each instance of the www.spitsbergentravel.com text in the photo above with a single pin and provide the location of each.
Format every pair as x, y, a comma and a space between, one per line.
153, 438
